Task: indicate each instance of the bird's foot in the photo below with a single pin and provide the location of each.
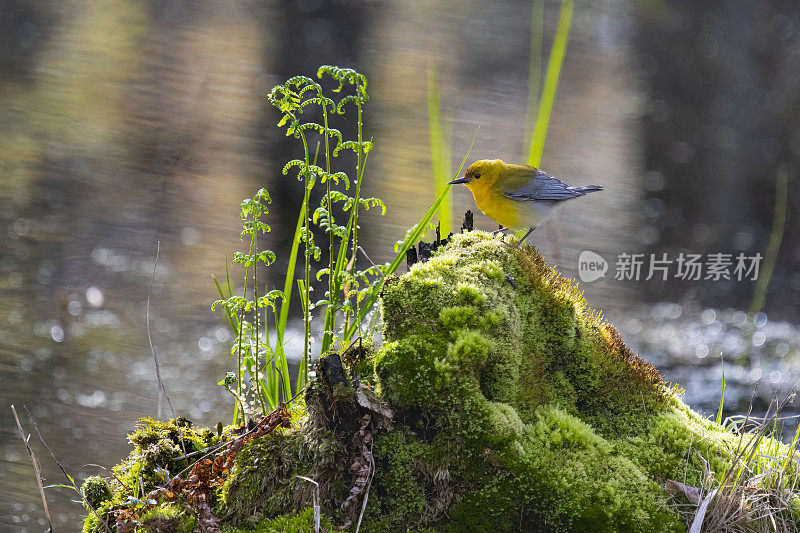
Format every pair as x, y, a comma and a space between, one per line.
519, 242
502, 231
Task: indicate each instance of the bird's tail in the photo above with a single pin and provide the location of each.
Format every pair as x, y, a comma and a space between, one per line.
587, 189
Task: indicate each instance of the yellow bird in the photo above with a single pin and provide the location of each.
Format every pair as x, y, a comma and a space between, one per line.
517, 196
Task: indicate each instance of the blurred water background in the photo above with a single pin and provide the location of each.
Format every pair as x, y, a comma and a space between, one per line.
131, 122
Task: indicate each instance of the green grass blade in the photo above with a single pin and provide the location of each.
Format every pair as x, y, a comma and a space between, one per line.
550, 88
341, 258
440, 152
775, 238
230, 315
793, 447
770, 256
268, 392
534, 74
284, 379
289, 279
302, 374
722, 398
401, 254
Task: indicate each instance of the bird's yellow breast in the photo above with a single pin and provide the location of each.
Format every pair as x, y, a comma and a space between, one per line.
497, 206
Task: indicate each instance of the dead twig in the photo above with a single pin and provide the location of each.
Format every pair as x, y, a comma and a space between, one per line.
36, 469
363, 469
317, 513
61, 467
369, 484
161, 387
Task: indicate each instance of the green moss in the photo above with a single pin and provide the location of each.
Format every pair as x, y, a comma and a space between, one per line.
157, 446
457, 316
398, 500
94, 520
168, 518
469, 348
554, 417
96, 491
515, 407
263, 483
300, 522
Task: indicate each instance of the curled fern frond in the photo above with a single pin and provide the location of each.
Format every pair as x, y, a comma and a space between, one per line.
319, 128
270, 299
267, 257
346, 75
262, 196
334, 197
291, 164
349, 99
373, 202
319, 213
243, 259
320, 101
335, 177
252, 227
365, 146
296, 88
322, 273
313, 170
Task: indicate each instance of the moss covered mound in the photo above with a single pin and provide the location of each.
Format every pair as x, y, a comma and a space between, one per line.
515, 408
527, 402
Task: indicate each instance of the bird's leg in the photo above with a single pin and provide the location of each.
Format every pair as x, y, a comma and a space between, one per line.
502, 231
519, 242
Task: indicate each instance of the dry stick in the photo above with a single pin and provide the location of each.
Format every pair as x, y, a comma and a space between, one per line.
357, 339
213, 449
369, 484
36, 468
60, 466
316, 504
161, 386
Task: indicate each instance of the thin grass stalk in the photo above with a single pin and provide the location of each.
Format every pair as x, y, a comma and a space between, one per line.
302, 377
302, 222
234, 322
439, 154
361, 162
739, 447
775, 239
534, 75
722, 397
551, 83
352, 226
239, 358
257, 354
351, 229
401, 254
273, 368
268, 383
793, 447
36, 469
228, 314
330, 309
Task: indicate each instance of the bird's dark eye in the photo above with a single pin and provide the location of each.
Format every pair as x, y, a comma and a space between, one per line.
476, 176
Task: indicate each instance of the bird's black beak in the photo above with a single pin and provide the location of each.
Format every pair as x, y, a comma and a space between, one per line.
459, 180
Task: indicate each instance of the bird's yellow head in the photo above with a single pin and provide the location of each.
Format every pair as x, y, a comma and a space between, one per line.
481, 175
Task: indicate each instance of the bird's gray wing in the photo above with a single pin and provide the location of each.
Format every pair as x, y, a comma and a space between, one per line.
543, 187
